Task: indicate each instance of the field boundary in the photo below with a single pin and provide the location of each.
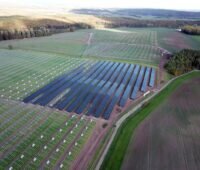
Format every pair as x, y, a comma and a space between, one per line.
132, 112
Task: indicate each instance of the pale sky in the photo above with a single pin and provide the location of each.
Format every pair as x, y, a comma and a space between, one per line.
162, 4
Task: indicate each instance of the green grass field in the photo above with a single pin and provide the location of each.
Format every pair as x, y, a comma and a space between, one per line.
31, 136
117, 151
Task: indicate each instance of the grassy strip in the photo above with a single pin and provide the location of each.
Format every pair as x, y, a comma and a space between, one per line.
117, 151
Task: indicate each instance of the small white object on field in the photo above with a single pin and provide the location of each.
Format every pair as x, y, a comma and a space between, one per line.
61, 165
146, 93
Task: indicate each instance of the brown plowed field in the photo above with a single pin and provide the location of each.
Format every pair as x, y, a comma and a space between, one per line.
169, 139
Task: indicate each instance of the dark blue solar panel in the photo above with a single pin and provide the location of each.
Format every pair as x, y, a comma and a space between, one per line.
90, 87
146, 80
118, 93
131, 83
138, 83
101, 107
152, 78
104, 89
67, 84
99, 90
79, 87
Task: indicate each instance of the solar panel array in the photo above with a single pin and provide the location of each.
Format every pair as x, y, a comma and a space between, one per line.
95, 89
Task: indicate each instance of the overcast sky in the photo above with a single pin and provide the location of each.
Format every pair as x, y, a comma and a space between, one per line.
164, 4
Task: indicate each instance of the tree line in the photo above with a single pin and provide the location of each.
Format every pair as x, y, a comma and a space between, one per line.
8, 34
183, 62
192, 30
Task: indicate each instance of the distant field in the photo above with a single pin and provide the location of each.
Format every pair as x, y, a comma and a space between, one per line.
131, 44
33, 137
168, 139
23, 72
128, 45
173, 40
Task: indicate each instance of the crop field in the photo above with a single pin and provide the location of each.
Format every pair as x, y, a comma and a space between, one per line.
34, 137
169, 138
23, 72
97, 89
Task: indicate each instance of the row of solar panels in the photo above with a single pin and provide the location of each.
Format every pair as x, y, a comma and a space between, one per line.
97, 89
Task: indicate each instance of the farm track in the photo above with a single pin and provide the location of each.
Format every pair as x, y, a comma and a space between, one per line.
90, 38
